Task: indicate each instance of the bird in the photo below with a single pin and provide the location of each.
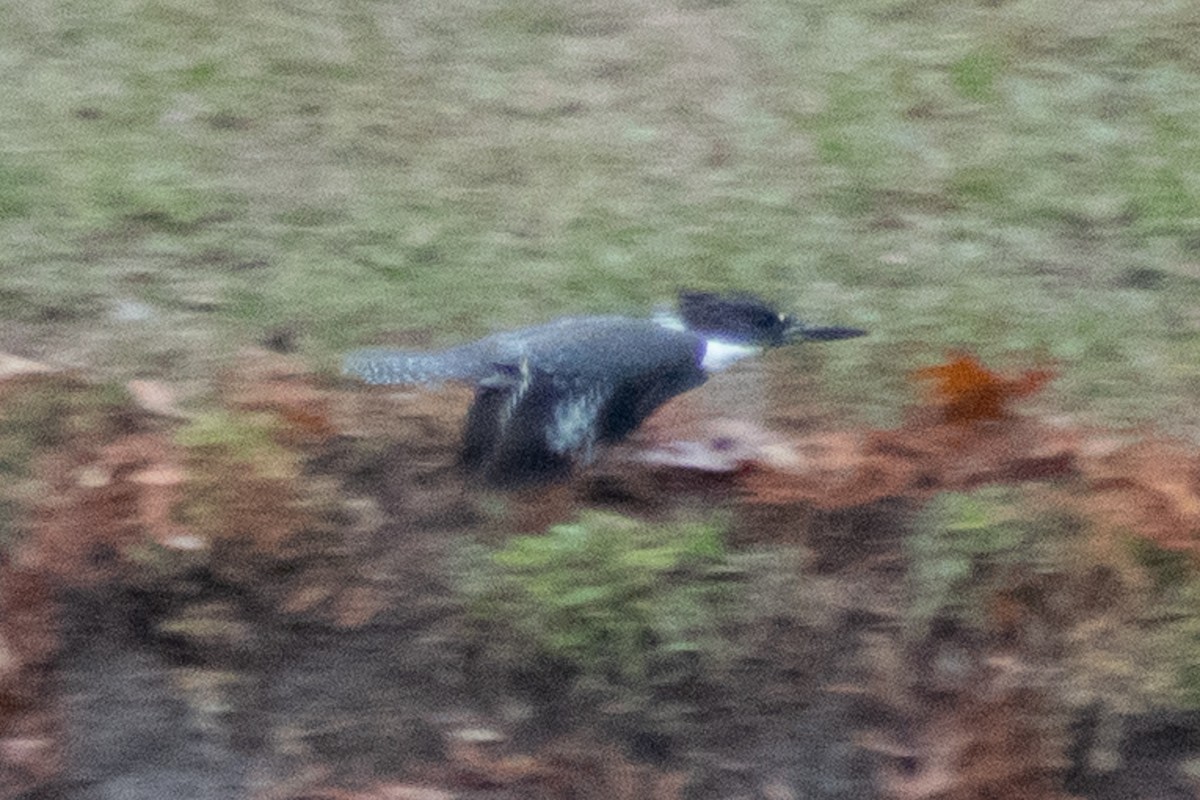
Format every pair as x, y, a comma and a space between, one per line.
548, 396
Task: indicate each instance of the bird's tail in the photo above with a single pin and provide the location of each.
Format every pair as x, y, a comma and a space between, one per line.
377, 365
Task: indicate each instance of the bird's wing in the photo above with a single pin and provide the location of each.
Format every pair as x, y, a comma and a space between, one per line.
633, 400
528, 425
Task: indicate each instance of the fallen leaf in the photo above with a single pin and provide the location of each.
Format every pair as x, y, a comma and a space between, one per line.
966, 391
154, 397
16, 367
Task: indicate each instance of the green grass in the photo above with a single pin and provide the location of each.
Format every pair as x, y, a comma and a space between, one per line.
610, 597
1020, 178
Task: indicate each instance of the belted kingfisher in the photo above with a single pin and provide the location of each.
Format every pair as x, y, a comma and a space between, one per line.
547, 395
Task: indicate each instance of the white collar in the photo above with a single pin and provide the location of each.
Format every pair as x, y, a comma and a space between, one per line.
720, 354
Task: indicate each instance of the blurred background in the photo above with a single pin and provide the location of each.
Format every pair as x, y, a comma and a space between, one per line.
178, 178
204, 203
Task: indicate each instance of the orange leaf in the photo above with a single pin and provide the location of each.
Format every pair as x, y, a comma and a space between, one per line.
967, 391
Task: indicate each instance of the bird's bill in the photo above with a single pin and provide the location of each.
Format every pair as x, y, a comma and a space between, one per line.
801, 332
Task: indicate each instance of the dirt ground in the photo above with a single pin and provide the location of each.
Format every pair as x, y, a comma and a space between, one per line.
309, 640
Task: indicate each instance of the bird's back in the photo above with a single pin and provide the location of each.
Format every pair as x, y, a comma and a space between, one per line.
596, 348
601, 348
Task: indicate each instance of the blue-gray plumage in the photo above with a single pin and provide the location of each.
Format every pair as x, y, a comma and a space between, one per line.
547, 395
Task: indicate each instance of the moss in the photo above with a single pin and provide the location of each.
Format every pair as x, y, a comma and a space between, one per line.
975, 75
613, 599
243, 491
959, 545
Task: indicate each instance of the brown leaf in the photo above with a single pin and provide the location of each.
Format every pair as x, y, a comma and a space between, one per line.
155, 397
1150, 488
285, 387
357, 605
28, 617
993, 740
966, 391
399, 791
101, 500
13, 367
830, 471
961, 457
306, 598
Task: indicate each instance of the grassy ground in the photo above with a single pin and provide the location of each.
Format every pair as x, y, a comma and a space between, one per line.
1023, 178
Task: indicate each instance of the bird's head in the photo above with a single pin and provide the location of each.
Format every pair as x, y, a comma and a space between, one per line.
748, 320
